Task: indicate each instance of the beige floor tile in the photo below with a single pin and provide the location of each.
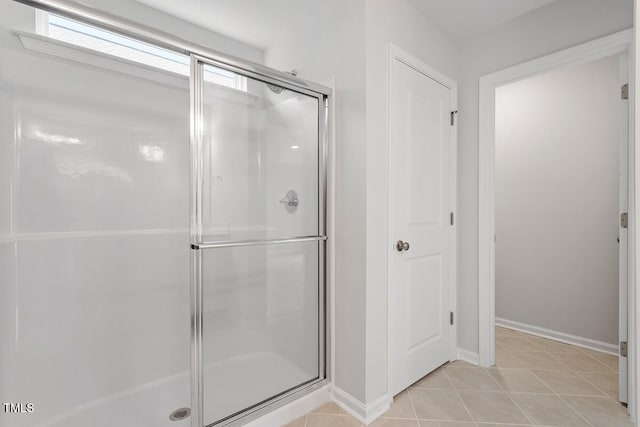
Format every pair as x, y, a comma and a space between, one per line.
552, 347
600, 411
539, 360
582, 362
506, 332
401, 407
460, 364
567, 382
608, 359
394, 422
427, 423
472, 379
519, 380
517, 344
604, 381
329, 420
505, 359
492, 407
500, 425
435, 380
329, 408
298, 422
441, 405
536, 339
548, 410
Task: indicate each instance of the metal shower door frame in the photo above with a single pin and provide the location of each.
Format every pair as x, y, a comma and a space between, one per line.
199, 244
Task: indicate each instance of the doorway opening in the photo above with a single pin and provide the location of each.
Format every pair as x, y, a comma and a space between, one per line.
556, 193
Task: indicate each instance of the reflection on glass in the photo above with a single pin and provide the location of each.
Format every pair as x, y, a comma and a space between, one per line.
260, 324
259, 145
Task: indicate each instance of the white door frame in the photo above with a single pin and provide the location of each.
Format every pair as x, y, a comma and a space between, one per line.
610, 45
396, 53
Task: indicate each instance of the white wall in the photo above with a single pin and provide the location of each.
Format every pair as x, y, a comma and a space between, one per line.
400, 23
557, 181
553, 27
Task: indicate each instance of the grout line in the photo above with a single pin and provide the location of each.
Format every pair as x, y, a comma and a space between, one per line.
413, 406
578, 350
306, 420
431, 388
330, 414
460, 397
512, 425
548, 354
513, 401
594, 385
569, 369
399, 418
565, 402
560, 397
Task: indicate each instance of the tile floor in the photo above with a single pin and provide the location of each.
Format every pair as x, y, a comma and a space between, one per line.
536, 381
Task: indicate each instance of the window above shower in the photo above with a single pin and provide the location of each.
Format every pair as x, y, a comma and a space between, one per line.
111, 44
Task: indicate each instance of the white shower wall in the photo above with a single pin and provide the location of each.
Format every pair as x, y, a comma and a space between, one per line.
94, 231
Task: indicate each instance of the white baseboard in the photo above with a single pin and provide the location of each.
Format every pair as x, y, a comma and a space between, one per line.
595, 345
295, 409
365, 413
468, 356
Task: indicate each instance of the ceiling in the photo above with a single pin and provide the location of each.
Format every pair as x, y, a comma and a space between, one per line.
466, 18
259, 22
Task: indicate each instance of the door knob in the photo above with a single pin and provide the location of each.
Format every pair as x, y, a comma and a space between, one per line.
402, 246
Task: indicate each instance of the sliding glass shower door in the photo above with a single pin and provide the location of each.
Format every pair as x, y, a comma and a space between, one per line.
257, 241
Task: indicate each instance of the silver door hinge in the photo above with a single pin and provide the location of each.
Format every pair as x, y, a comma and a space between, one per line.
623, 348
624, 91
451, 317
453, 117
451, 216
624, 220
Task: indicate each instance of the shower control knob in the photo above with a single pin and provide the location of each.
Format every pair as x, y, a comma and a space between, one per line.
402, 246
290, 201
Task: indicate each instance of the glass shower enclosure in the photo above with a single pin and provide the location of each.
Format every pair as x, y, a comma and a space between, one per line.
162, 235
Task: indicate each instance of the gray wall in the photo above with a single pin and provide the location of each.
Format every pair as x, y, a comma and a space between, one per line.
553, 27
557, 177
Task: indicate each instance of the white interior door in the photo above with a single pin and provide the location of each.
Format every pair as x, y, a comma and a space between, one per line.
419, 274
